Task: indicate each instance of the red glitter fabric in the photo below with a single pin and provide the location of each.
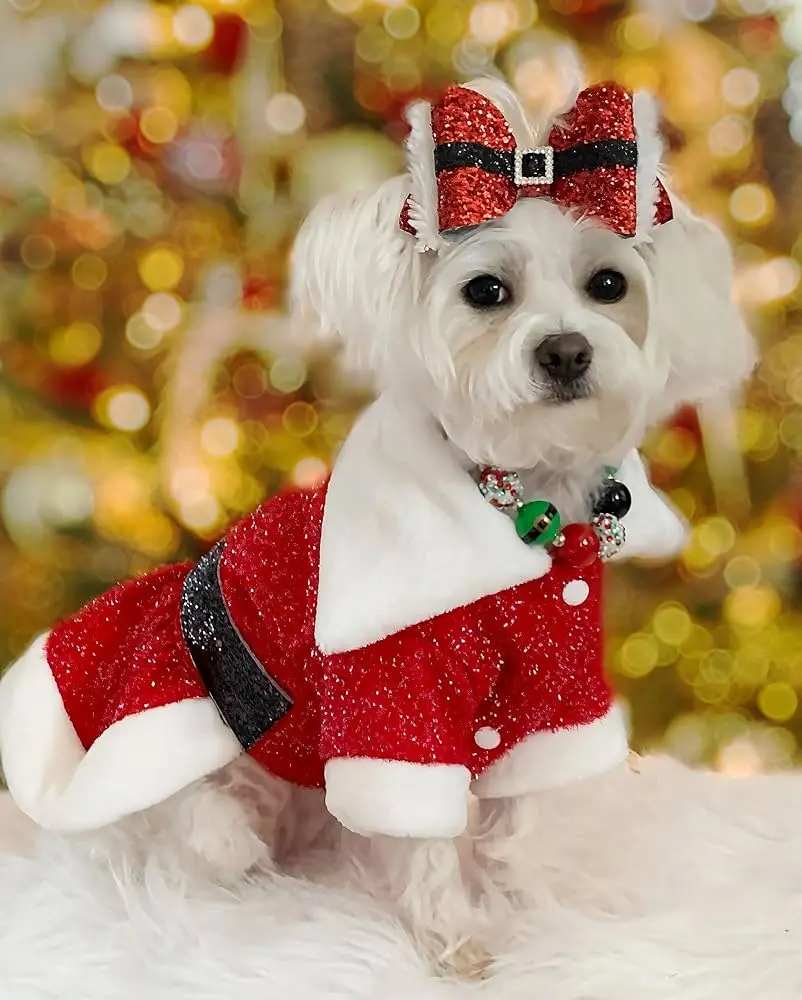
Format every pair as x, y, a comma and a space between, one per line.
123, 654
663, 211
603, 111
470, 195
268, 574
403, 220
521, 661
463, 115
607, 194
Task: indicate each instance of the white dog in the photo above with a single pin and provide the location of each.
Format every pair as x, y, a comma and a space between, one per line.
485, 329
539, 336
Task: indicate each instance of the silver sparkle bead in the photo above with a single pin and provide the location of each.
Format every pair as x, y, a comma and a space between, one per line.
500, 487
611, 533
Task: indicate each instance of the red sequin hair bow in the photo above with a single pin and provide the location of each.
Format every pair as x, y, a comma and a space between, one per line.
601, 160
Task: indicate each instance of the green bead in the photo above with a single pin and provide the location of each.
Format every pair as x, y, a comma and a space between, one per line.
538, 523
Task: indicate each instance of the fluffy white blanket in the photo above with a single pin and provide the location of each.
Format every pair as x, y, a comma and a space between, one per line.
667, 885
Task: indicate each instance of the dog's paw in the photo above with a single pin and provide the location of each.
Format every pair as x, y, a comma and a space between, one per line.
457, 946
468, 960
220, 834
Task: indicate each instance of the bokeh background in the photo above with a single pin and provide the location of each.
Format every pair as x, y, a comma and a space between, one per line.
155, 161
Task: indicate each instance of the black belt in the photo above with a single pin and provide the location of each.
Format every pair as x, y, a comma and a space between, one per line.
249, 700
588, 156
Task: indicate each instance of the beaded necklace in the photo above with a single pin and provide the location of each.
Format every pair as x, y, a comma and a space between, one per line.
538, 522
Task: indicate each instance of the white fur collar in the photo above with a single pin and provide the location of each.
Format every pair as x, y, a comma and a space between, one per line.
655, 530
407, 535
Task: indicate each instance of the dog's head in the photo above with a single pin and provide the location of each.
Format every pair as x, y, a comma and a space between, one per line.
539, 336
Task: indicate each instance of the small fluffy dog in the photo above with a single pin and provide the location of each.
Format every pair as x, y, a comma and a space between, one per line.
390, 638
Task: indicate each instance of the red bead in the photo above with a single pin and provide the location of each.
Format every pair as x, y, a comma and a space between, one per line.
580, 546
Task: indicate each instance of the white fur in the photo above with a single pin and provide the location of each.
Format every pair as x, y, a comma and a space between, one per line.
423, 204
547, 759
136, 763
655, 530
396, 799
650, 153
374, 563
654, 886
219, 832
345, 291
701, 333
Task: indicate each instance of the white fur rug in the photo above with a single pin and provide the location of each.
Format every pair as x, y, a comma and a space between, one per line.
666, 885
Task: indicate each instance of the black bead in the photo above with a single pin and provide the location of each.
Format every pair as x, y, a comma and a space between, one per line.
614, 499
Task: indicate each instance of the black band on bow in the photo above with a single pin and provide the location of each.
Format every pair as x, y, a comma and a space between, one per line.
588, 156
249, 700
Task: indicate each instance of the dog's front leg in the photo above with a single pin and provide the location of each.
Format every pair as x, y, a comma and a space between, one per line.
431, 885
527, 850
228, 823
506, 847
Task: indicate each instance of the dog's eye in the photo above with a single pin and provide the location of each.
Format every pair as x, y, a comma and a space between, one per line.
607, 286
486, 291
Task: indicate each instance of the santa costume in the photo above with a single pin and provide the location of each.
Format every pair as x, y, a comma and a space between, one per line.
388, 636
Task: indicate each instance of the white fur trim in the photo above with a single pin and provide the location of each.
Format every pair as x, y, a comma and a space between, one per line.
136, 763
650, 151
423, 205
549, 759
654, 527
406, 533
398, 799
39, 748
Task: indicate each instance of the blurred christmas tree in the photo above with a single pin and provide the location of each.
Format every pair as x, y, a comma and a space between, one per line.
155, 159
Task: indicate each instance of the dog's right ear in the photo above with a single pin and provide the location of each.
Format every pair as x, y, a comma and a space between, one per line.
355, 272
707, 346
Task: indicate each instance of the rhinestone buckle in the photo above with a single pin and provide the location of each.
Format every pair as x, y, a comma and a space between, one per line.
525, 180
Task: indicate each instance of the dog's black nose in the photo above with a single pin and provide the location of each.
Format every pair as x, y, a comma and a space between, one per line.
564, 357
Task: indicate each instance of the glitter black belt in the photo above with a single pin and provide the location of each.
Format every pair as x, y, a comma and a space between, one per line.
588, 156
249, 700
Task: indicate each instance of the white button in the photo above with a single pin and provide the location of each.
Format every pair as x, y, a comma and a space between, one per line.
576, 592
487, 738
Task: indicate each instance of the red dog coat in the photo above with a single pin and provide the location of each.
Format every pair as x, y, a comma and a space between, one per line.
387, 637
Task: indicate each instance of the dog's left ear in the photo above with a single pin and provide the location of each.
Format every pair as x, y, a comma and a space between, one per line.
355, 274
701, 337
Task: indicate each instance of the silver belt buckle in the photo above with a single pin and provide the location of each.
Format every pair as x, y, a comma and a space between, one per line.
548, 172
